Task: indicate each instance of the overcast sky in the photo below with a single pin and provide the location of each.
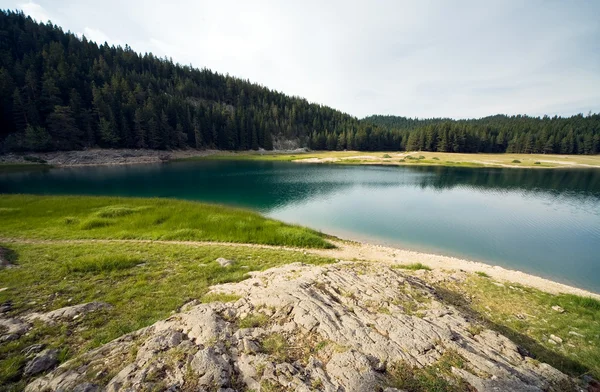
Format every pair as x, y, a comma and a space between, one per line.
412, 58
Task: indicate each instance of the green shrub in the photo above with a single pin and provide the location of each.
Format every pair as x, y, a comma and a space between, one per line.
536, 163
387, 156
436, 158
516, 161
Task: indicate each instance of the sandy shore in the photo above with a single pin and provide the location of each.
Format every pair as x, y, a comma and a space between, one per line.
368, 252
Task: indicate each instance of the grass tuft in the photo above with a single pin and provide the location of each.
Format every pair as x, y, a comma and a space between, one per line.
254, 320
117, 211
93, 223
102, 263
412, 267
277, 346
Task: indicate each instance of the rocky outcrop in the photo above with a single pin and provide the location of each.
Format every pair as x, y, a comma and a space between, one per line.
340, 327
43, 361
12, 329
67, 313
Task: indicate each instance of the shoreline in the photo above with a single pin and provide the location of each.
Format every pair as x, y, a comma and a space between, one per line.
113, 157
365, 251
355, 251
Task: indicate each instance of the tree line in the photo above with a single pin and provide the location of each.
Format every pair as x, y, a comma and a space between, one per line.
577, 134
63, 92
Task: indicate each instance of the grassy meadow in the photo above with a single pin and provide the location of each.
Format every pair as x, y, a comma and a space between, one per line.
525, 315
143, 282
77, 217
52, 242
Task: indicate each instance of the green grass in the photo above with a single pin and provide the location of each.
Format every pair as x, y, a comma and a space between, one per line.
437, 377
412, 267
525, 316
81, 217
277, 346
144, 283
254, 320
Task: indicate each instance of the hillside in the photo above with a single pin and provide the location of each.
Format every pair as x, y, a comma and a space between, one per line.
60, 92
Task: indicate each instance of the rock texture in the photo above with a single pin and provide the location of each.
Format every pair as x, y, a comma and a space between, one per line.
67, 313
43, 361
335, 328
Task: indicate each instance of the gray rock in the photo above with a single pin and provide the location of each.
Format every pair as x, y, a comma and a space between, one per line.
224, 262
12, 329
558, 309
6, 307
45, 360
352, 371
68, 313
87, 387
556, 339
32, 350
213, 369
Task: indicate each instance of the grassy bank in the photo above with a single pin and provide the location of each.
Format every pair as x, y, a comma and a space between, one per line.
526, 316
77, 217
419, 158
142, 282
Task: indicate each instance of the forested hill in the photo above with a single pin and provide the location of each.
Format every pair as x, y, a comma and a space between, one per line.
515, 134
60, 92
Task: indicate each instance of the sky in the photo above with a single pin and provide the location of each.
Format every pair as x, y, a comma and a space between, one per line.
422, 58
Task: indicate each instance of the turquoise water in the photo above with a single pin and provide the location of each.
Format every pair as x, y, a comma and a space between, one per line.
545, 222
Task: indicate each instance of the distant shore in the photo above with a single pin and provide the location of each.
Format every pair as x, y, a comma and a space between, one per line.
94, 157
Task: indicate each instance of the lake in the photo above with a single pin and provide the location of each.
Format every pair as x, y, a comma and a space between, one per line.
545, 222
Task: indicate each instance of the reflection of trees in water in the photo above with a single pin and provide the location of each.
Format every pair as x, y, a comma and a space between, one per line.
553, 181
268, 185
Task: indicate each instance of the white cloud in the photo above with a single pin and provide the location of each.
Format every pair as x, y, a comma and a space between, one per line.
36, 11
97, 36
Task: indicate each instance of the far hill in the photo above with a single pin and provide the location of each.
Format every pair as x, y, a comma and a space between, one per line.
513, 134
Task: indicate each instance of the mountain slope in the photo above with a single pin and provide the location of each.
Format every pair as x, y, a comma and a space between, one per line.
60, 92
